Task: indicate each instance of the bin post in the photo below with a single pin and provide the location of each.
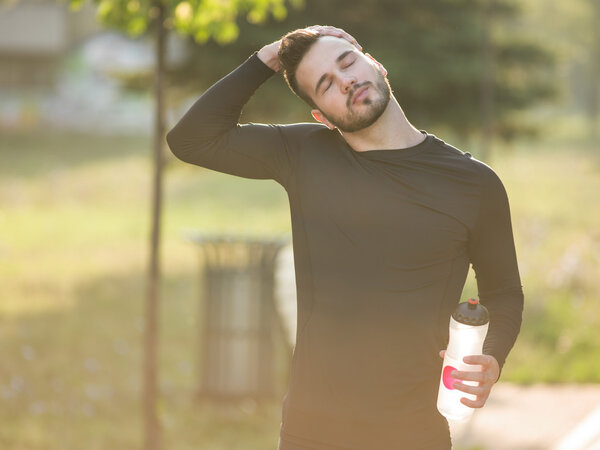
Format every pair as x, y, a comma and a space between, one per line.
240, 324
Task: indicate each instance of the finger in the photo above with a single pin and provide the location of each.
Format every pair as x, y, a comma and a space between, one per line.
338, 32
475, 390
442, 353
472, 404
351, 39
484, 360
329, 31
324, 28
468, 376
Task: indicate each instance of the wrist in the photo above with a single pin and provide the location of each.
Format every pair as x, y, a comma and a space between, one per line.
268, 55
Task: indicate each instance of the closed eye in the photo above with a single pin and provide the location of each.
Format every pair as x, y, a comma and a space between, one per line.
345, 67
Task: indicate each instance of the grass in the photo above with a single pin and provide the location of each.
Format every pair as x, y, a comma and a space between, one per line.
74, 227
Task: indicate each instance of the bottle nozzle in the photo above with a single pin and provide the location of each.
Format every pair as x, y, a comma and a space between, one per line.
471, 312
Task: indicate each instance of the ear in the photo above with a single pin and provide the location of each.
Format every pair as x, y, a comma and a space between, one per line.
381, 68
320, 118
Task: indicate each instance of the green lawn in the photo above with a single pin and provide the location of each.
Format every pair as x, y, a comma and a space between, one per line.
74, 227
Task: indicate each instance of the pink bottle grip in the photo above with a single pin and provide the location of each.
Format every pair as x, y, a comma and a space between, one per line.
447, 378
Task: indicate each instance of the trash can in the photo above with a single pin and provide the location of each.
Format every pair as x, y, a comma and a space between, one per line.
240, 325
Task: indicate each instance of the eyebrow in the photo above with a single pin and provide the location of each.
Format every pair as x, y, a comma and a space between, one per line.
338, 60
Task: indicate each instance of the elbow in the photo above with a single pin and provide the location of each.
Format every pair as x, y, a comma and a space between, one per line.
177, 145
173, 143
189, 149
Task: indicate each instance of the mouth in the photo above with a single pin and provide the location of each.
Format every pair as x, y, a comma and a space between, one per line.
360, 95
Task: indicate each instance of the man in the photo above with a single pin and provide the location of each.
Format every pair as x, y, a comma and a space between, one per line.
385, 221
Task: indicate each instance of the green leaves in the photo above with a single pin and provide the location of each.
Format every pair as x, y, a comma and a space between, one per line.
226, 32
202, 19
131, 16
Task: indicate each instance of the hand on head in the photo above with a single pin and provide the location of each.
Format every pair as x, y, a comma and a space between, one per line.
337, 32
268, 54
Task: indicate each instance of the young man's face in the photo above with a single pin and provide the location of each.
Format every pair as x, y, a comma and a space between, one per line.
349, 88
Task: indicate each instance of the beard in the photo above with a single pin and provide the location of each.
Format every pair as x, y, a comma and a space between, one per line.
354, 120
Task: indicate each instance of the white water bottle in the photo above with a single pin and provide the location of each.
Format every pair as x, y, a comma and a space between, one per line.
468, 327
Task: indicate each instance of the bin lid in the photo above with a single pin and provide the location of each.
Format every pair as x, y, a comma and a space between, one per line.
237, 250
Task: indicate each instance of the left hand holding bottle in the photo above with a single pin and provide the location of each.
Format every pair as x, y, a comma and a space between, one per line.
487, 377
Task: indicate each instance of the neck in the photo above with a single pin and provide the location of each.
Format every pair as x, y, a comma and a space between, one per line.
391, 131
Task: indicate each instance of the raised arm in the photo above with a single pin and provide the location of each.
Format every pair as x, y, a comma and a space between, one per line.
210, 136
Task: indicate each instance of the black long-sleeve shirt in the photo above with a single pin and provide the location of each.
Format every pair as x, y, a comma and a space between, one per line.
382, 243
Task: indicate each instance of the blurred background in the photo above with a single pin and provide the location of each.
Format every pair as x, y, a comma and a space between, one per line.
515, 83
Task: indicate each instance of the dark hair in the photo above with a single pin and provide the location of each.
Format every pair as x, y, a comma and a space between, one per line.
294, 45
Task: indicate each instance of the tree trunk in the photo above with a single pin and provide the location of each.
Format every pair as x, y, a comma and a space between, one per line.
152, 435
594, 99
487, 84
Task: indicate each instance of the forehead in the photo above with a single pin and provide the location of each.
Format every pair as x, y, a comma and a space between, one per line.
319, 59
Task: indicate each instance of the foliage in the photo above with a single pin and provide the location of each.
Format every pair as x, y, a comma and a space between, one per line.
432, 49
202, 19
433, 53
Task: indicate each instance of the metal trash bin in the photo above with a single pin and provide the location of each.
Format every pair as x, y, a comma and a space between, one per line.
240, 323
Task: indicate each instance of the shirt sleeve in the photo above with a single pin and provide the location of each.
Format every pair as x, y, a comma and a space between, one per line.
210, 136
493, 256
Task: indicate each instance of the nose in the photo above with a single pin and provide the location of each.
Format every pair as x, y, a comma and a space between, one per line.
347, 82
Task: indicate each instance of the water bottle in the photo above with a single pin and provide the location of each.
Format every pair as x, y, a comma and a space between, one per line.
468, 327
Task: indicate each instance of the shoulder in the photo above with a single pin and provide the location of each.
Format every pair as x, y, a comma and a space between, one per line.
303, 128
479, 173
304, 132
465, 166
489, 178
492, 193
485, 172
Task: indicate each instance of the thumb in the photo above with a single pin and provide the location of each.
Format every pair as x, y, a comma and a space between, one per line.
442, 353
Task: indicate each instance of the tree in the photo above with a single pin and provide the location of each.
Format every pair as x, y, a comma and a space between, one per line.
204, 20
593, 72
571, 30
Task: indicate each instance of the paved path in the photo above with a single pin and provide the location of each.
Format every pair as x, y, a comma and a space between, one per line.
536, 417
